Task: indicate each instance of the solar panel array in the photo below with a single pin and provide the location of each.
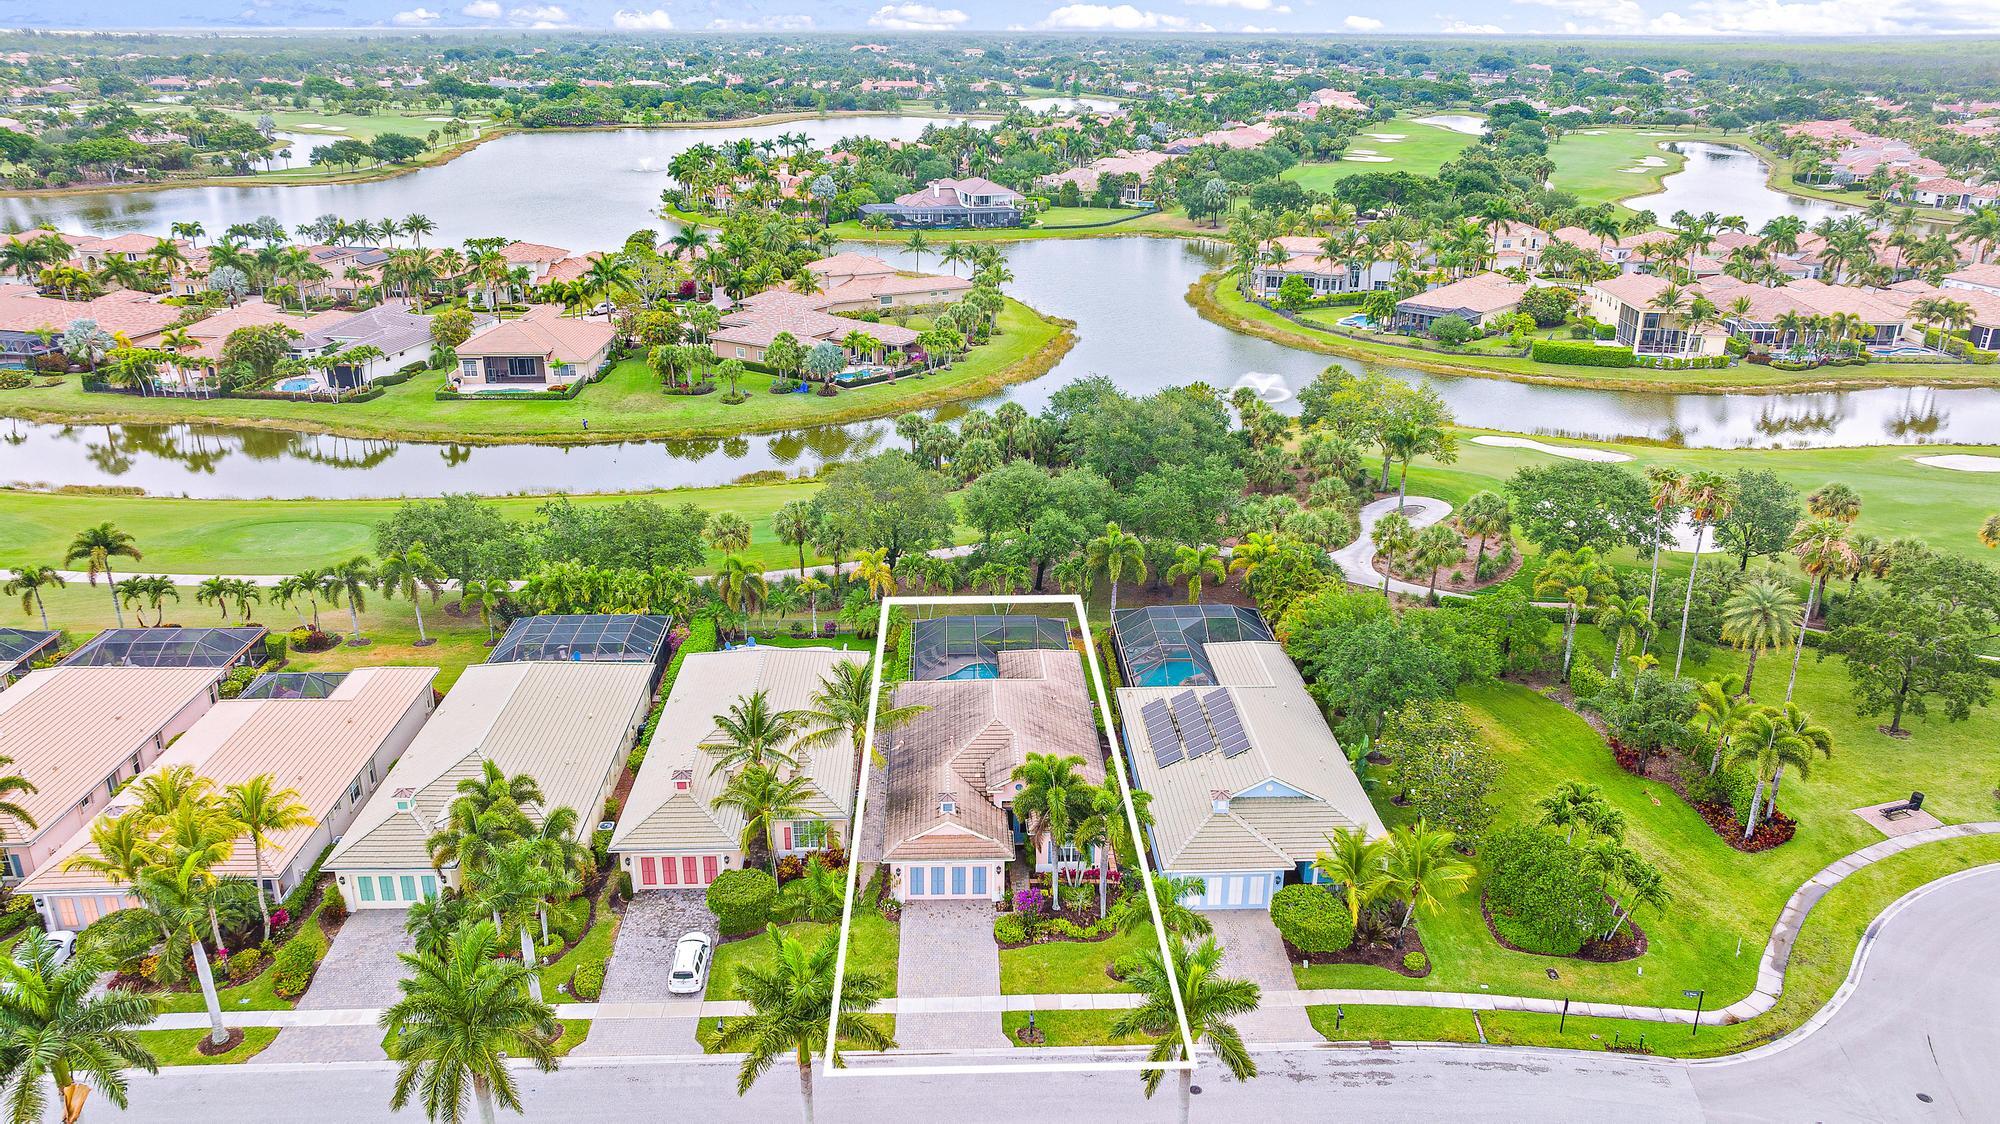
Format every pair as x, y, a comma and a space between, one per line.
1187, 726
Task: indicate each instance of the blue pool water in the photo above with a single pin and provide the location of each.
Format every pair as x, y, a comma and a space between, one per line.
298, 385
1169, 674
976, 671
1355, 321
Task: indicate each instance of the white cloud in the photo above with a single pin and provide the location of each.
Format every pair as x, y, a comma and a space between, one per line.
916, 17
1122, 17
482, 10
798, 21
1362, 23
1247, 5
542, 16
1831, 17
1605, 15
655, 20
415, 17
1460, 27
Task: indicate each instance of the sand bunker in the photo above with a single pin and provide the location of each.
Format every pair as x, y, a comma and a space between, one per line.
1386, 136
1654, 161
1568, 452
1369, 158
1592, 132
1963, 462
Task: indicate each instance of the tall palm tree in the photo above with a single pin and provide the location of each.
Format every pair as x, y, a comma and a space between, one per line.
513, 888
354, 578
484, 596
463, 1013
874, 571
1771, 739
1195, 565
1623, 619
1709, 498
1722, 710
56, 1026
1583, 580
764, 799
742, 584
178, 893
1107, 830
791, 1009
28, 583
1053, 798
1422, 868
753, 734
410, 572
260, 810
918, 246
1113, 554
1757, 618
1393, 537
1354, 861
839, 707
1210, 1000
1791, 723
1823, 551
96, 547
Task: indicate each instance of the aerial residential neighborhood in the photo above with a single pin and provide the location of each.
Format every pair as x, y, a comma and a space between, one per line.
1026, 561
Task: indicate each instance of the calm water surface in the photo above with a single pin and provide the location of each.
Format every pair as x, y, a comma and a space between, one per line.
1126, 295
1471, 124
1729, 181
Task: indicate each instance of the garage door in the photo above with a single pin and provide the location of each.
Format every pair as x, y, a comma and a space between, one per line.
946, 880
672, 872
394, 889
1237, 891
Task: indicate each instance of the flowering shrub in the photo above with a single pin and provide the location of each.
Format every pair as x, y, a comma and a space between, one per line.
1030, 901
280, 917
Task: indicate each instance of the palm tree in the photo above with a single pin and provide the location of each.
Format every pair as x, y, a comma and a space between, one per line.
1792, 723
742, 585
410, 572
1210, 1002
1486, 515
55, 1025
28, 583
873, 570
1113, 554
1173, 893
178, 894
764, 799
791, 1009
1575, 804
513, 887
354, 577
1666, 485
261, 810
1393, 537
1053, 797
484, 596
753, 735
1355, 862
1422, 868
1771, 739
1196, 564
463, 1013
97, 546
1623, 619
1722, 710
918, 246
1582, 580
1758, 618
1709, 498
839, 706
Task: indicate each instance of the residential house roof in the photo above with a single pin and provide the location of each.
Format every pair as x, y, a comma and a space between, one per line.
1272, 802
757, 320
565, 724
127, 312
211, 331
66, 728
1634, 289
527, 253
315, 747
543, 331
391, 327
1484, 293
953, 193
20, 646
669, 807
849, 265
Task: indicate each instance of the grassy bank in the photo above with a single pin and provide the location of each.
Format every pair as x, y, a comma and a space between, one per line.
627, 405
1421, 151
1218, 300
1058, 222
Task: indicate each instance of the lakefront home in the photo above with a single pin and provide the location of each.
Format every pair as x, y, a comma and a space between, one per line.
403, 337
749, 328
536, 351
1627, 303
853, 282
1478, 300
950, 204
1326, 276
332, 740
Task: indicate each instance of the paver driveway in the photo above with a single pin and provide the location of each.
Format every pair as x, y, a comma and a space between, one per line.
947, 950
1252, 950
360, 970
653, 922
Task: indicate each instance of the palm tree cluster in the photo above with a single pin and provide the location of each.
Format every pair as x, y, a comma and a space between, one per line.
1413, 867
1765, 739
1626, 877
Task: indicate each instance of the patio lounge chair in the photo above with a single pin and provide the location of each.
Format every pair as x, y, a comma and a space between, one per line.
1896, 811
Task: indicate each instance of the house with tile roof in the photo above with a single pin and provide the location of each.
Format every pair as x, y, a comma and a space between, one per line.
853, 282
1305, 257
948, 826
1246, 779
1628, 302
333, 747
670, 833
537, 351
1479, 300
952, 204
748, 329
403, 337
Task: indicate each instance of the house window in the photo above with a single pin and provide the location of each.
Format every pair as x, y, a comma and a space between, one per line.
886, 301
111, 784
13, 865
808, 834
367, 888
522, 367
354, 793
740, 353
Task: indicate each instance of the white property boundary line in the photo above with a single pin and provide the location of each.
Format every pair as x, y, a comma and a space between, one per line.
1075, 604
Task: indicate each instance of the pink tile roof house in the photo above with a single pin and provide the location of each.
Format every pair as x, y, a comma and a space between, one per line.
544, 346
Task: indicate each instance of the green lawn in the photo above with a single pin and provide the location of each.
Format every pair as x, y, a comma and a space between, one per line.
1422, 151
872, 948
1069, 967
628, 404
257, 995
1365, 1022
594, 948
1057, 222
1594, 168
178, 1047
1071, 1028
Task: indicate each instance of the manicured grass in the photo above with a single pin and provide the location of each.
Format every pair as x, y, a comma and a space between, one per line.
1069, 967
704, 1031
257, 995
872, 948
1216, 298
178, 1047
1422, 151
1364, 1022
284, 536
1593, 167
594, 948
1071, 1028
628, 403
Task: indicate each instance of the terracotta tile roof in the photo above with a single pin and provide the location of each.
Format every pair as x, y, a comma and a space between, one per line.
126, 312
1635, 289
524, 253
544, 331
757, 320
1485, 293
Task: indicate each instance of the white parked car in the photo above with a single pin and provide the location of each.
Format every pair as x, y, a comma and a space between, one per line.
65, 945
689, 974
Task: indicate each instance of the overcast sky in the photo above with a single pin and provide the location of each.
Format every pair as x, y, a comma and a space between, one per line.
1465, 17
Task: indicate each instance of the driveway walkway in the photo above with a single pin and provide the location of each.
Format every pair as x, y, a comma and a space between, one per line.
654, 921
947, 950
360, 970
1252, 950
1357, 559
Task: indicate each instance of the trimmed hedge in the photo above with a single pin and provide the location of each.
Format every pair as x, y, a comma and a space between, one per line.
741, 900
588, 983
1683, 362
293, 966
1538, 893
1010, 928
1573, 354
1312, 918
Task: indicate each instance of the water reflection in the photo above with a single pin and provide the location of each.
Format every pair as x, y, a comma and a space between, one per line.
1729, 181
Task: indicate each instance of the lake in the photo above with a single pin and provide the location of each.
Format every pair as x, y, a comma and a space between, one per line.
1471, 124
1729, 181
589, 190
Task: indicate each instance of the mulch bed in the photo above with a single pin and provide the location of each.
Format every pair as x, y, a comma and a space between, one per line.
1772, 830
1384, 954
209, 1049
1074, 915
1459, 577
1629, 944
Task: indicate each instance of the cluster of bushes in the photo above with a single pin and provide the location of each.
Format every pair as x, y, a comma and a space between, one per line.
741, 900
588, 983
1540, 897
310, 640
1312, 918
1730, 787
1587, 329
794, 866
13, 380
1020, 927
295, 962
1682, 362
1573, 354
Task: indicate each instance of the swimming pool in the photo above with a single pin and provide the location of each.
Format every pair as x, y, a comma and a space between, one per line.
856, 374
1172, 673
1901, 349
1356, 321
976, 671
298, 385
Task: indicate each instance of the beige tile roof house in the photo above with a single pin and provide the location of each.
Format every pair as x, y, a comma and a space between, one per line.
76, 733
542, 347
127, 312
669, 834
568, 725
1478, 299
750, 327
947, 831
334, 751
1246, 778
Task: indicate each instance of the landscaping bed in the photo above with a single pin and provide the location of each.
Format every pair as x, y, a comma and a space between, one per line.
1403, 953
1629, 944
